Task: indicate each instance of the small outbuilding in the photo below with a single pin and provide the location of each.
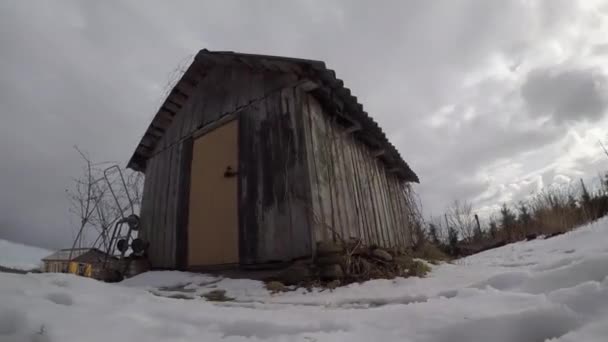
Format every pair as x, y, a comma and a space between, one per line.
87, 262
253, 160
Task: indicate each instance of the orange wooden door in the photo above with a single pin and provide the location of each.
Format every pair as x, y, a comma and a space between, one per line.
213, 213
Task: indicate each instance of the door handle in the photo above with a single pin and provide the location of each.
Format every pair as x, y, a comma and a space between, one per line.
229, 172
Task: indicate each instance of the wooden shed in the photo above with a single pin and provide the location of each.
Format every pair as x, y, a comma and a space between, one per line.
255, 159
86, 262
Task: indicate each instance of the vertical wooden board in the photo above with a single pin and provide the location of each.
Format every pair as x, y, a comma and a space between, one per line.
258, 183
148, 214
325, 176
409, 220
318, 205
299, 243
187, 113
146, 208
154, 249
390, 223
357, 184
393, 182
171, 134
387, 226
378, 170
371, 181
322, 201
310, 179
202, 101
377, 204
183, 206
163, 188
248, 175
194, 104
362, 188
256, 86
350, 197
313, 209
275, 81
241, 87
288, 161
352, 183
237, 82
369, 195
172, 210
253, 153
404, 214
231, 86
215, 93
358, 218
341, 196
302, 185
337, 178
276, 147
199, 110
401, 223
400, 215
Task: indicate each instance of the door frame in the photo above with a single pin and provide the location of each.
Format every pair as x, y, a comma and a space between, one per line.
183, 200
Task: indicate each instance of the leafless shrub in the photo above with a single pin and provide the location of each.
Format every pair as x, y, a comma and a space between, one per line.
460, 216
97, 200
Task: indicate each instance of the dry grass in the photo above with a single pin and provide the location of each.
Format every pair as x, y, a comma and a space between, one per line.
431, 253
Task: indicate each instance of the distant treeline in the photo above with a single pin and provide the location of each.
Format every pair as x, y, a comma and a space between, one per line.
552, 211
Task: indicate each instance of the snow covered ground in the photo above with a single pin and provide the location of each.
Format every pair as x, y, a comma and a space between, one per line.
16, 255
542, 290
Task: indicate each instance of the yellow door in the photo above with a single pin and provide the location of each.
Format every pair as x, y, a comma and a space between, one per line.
73, 267
212, 214
88, 270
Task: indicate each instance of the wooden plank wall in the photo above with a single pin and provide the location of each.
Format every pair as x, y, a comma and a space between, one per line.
220, 91
274, 191
352, 193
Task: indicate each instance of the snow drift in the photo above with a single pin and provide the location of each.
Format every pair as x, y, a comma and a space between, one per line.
541, 290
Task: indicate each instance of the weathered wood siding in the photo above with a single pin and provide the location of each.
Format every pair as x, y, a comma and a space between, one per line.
274, 192
353, 195
220, 92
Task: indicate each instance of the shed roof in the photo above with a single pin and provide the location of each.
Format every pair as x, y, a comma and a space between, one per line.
64, 254
330, 91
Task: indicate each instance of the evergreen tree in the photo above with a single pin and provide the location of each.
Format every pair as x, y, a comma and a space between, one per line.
585, 197
493, 229
507, 220
524, 215
453, 240
434, 235
477, 233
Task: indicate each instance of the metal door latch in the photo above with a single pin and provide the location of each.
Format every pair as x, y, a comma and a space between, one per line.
229, 172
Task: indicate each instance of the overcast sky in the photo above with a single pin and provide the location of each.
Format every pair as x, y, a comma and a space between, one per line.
486, 100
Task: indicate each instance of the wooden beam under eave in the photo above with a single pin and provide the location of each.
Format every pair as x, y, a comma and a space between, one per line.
308, 85
378, 153
178, 95
352, 129
171, 106
187, 86
148, 141
155, 131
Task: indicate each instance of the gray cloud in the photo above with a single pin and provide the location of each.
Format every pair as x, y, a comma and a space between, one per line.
566, 94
